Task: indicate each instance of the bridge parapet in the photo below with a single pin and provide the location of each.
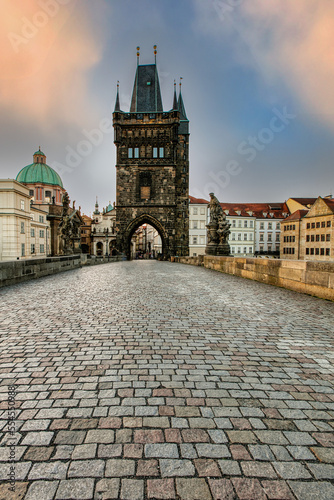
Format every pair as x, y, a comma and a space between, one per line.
312, 278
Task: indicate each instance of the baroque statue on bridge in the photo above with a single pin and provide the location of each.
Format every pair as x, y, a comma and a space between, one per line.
69, 228
218, 229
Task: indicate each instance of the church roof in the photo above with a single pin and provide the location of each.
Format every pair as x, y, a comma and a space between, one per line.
39, 173
146, 96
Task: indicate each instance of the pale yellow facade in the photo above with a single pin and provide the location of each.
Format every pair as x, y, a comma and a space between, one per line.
24, 230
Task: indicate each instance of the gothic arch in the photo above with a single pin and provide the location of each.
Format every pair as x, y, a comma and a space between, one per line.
152, 221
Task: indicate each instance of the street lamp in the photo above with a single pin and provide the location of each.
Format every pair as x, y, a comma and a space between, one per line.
145, 233
106, 232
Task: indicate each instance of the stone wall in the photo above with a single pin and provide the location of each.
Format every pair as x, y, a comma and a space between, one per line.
313, 278
18, 271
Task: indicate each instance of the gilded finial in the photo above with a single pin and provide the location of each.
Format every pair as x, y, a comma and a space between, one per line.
118, 84
155, 53
181, 78
138, 54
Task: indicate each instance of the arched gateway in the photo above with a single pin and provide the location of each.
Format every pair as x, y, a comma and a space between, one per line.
152, 166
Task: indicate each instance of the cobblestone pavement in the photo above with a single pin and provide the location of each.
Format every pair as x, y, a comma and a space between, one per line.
148, 380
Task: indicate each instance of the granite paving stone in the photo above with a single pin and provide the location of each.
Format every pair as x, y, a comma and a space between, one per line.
180, 382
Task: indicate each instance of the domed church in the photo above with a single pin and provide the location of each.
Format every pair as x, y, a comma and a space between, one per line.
44, 184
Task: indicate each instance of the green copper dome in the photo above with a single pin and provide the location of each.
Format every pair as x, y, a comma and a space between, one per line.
39, 173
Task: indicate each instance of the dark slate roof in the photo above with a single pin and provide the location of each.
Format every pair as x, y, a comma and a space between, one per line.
146, 96
117, 106
184, 122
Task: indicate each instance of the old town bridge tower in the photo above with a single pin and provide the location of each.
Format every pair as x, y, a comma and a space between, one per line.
152, 165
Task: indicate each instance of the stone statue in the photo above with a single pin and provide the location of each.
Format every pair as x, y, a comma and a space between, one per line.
69, 228
218, 229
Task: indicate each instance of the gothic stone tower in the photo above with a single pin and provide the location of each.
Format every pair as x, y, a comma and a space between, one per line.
152, 166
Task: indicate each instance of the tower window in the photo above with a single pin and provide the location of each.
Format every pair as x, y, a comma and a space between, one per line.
136, 152
130, 153
155, 152
161, 152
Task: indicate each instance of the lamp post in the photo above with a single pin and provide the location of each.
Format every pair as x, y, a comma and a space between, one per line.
106, 232
145, 234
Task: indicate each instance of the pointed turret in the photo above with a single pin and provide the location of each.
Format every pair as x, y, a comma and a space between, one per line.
117, 105
184, 122
175, 105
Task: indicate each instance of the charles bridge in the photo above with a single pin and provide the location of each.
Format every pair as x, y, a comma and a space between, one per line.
157, 380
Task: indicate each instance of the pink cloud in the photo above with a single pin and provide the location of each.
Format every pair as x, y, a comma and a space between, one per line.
47, 48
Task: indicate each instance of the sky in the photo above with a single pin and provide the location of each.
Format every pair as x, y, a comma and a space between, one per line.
258, 88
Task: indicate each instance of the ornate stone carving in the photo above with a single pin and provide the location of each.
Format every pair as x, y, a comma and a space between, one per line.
69, 229
218, 229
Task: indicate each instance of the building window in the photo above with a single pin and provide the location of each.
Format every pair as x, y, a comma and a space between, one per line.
155, 152
313, 225
202, 240
328, 224
245, 223
41, 218
250, 236
41, 233
245, 250
233, 223
312, 251
269, 237
136, 152
41, 248
22, 227
261, 237
195, 224
202, 224
270, 225
161, 152
277, 248
261, 248
202, 211
32, 248
328, 252
317, 251
194, 240
328, 237
250, 223
318, 224
130, 153
312, 237
23, 250
317, 237
32, 233
245, 237
322, 251
48, 194
250, 250
233, 249
307, 251
195, 210
22, 204
308, 225
323, 224
322, 237
239, 223
233, 236
277, 236
31, 192
239, 250
278, 225
145, 185
261, 225
269, 248
239, 237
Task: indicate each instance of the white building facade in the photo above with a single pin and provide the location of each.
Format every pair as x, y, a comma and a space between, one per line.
24, 229
254, 230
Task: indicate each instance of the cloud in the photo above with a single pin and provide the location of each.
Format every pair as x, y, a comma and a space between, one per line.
47, 48
284, 40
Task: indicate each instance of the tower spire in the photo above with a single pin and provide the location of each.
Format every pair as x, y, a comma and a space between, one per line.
175, 97
117, 105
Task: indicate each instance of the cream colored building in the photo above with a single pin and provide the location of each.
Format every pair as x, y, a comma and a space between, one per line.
24, 230
103, 231
198, 219
308, 234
